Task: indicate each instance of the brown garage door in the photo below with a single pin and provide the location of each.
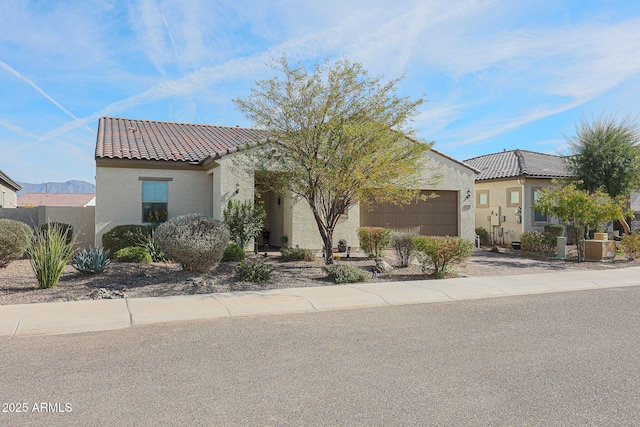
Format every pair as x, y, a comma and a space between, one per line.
432, 217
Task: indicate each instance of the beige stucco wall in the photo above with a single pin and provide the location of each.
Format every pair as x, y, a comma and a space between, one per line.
298, 223
454, 177
8, 197
512, 229
81, 218
305, 232
119, 194
208, 190
227, 173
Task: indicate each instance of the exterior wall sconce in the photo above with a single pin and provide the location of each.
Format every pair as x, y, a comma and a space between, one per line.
468, 195
237, 187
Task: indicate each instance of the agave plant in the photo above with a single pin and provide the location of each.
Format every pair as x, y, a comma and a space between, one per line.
92, 260
151, 246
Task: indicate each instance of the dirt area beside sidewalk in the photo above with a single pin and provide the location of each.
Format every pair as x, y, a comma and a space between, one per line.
18, 284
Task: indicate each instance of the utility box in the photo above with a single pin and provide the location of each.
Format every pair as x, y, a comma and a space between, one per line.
562, 247
495, 216
597, 250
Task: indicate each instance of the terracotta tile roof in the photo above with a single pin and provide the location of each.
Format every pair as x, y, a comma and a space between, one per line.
120, 138
56, 199
515, 163
9, 182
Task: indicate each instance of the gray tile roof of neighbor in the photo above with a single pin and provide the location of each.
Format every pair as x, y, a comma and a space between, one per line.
120, 138
11, 183
519, 163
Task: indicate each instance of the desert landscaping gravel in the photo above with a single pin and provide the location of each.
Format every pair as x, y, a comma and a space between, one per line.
18, 284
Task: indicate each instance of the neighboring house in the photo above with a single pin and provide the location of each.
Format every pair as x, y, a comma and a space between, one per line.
148, 171
8, 190
28, 200
506, 188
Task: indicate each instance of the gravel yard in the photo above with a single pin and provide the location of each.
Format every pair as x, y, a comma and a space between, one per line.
19, 286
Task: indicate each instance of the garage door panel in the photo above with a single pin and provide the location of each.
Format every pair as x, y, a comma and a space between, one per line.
436, 217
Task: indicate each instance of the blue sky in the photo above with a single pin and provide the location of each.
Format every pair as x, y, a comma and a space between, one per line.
496, 74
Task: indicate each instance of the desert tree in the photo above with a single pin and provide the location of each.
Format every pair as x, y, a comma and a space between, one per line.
604, 154
337, 137
581, 210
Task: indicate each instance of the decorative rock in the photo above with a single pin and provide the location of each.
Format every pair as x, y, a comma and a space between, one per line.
382, 266
104, 293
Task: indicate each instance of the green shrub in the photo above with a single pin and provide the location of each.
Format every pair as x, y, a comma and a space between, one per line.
14, 240
296, 254
66, 228
402, 243
92, 260
534, 241
133, 254
485, 239
374, 240
193, 240
233, 253
439, 253
49, 252
342, 273
255, 272
124, 236
630, 245
244, 221
151, 246
557, 230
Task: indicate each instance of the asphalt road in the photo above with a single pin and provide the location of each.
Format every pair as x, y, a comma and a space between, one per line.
558, 359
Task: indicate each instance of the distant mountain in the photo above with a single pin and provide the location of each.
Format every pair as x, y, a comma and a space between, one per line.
73, 186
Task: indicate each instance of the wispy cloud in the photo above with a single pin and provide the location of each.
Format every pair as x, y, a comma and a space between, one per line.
487, 130
17, 130
17, 74
491, 69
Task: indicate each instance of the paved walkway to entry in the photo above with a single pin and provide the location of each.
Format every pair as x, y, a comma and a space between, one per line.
102, 315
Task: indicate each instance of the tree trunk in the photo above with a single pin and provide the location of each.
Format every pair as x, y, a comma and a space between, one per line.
625, 225
577, 236
326, 234
328, 248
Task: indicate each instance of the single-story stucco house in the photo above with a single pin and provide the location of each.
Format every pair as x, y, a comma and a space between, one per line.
8, 190
506, 188
147, 171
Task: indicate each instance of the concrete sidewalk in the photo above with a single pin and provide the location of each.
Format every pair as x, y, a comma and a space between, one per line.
101, 315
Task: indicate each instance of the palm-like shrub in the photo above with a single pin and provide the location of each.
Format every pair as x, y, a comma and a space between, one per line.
195, 241
65, 228
92, 260
14, 239
49, 252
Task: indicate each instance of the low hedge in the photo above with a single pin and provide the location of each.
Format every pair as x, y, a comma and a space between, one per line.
124, 236
133, 254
